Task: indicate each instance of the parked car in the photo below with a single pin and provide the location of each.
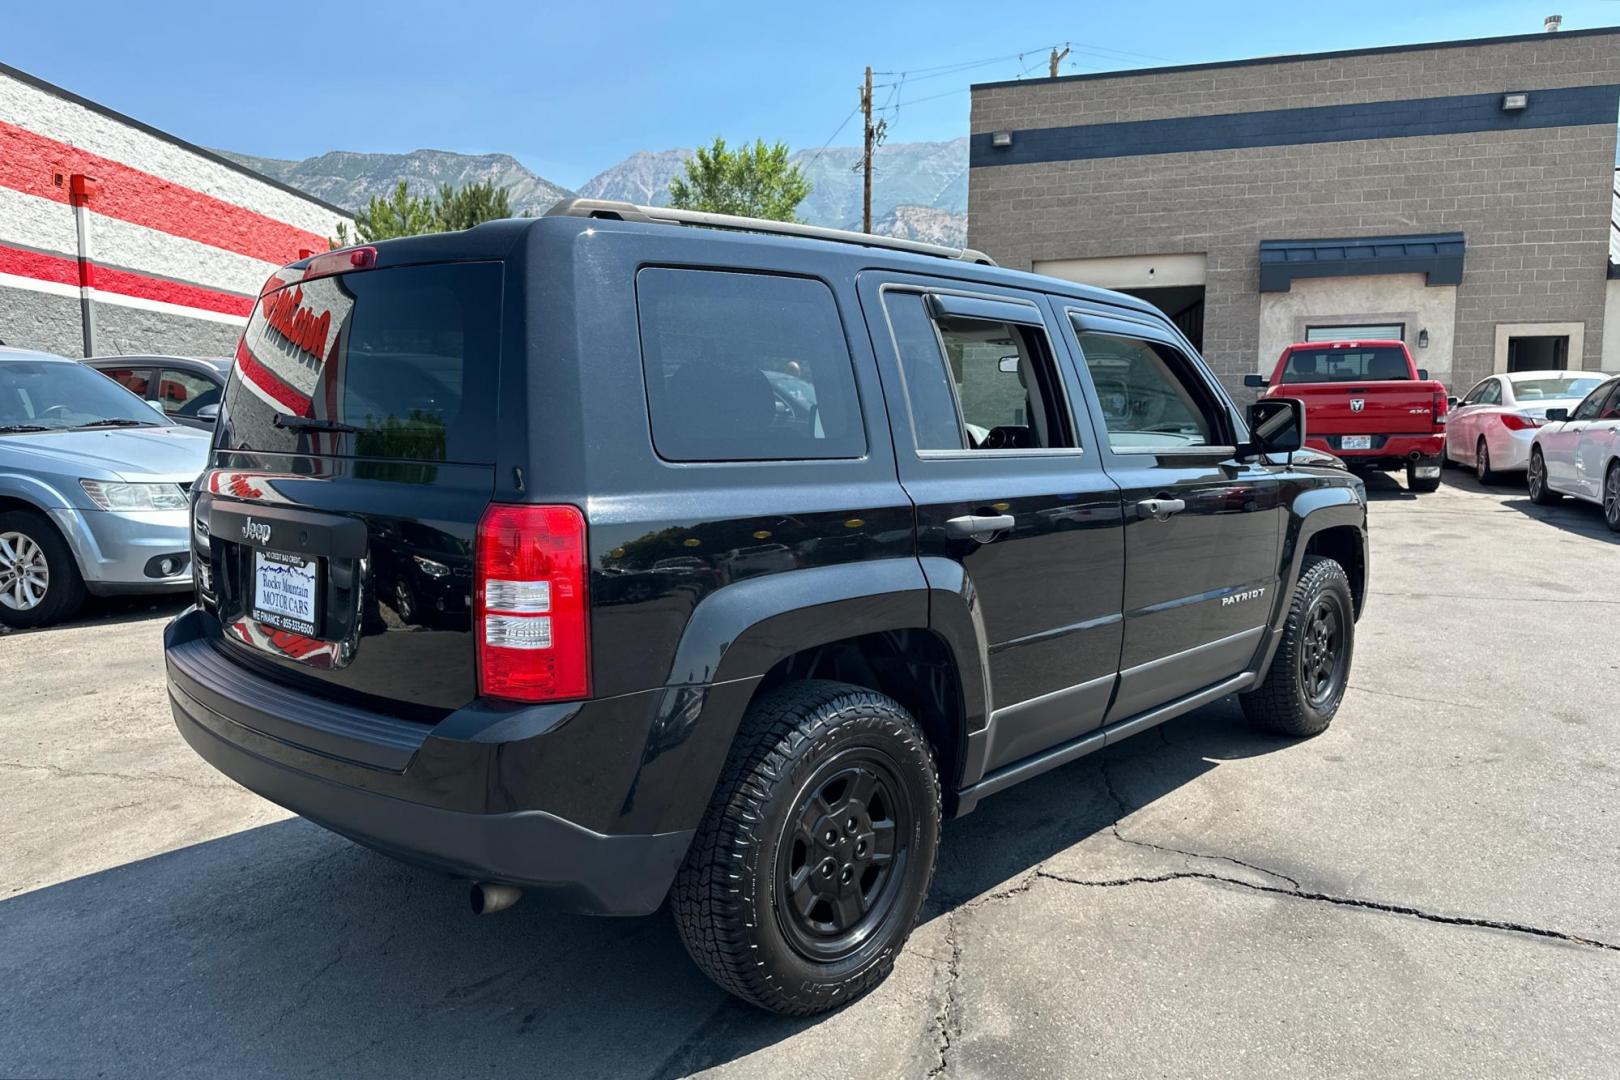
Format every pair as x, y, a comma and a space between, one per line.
1366, 402
1577, 452
737, 651
1492, 426
187, 387
93, 490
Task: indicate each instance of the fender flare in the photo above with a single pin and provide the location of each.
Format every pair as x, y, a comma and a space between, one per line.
1312, 512
32, 490
739, 632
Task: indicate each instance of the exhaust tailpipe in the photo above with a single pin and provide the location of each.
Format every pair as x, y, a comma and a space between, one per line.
487, 898
1415, 456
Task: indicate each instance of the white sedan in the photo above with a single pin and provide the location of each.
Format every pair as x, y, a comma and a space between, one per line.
1578, 453
1492, 426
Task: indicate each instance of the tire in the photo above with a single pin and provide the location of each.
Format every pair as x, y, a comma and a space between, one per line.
1482, 464
1295, 699
1611, 496
1535, 479
1414, 482
732, 897
39, 581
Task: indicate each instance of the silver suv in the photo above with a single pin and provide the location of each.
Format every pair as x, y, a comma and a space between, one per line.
94, 487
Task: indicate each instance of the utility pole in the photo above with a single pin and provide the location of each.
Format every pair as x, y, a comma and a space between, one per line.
874, 135
1057, 58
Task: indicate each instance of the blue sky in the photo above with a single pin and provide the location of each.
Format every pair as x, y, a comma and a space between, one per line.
571, 91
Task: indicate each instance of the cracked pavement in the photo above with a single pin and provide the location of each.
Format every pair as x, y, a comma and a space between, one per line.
1428, 889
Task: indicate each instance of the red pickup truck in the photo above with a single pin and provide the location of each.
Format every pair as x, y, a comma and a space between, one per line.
1367, 402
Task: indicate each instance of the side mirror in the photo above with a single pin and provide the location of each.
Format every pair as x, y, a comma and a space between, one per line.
156, 406
1255, 381
1453, 401
1423, 374
1009, 365
1557, 416
209, 413
1276, 426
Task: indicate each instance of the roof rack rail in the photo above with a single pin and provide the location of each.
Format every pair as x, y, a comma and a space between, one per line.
616, 210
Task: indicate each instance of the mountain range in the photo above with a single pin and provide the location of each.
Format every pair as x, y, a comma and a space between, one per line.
919, 189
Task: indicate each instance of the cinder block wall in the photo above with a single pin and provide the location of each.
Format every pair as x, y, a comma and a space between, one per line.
1534, 203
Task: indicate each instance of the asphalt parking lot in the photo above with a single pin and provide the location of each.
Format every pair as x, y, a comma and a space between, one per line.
1428, 889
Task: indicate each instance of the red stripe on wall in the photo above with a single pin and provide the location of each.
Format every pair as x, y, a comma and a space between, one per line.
30, 163
64, 269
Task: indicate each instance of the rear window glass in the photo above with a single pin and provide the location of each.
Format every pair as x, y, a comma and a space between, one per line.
408, 357
746, 367
1346, 365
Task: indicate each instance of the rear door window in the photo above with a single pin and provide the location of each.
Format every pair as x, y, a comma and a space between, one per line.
746, 367
408, 357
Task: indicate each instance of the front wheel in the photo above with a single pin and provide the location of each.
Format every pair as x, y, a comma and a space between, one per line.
1308, 676
1611, 496
814, 858
1536, 480
39, 581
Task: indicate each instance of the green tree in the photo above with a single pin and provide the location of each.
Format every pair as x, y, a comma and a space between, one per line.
753, 181
404, 214
472, 205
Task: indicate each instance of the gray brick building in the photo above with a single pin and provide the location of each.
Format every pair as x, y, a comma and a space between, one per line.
1405, 190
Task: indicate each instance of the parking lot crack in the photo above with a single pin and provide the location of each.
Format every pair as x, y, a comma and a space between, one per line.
1340, 901
1122, 812
947, 1022
58, 770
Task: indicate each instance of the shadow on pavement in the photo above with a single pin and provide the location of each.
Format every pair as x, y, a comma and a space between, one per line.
285, 950
112, 610
1385, 487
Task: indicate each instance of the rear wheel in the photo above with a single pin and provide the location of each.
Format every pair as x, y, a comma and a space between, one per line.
1308, 676
39, 581
1414, 482
1536, 480
1482, 464
1611, 496
814, 858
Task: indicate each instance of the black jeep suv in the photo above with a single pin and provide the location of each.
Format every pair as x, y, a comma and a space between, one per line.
626, 553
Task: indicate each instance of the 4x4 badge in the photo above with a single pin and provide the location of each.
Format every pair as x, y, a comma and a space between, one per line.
256, 530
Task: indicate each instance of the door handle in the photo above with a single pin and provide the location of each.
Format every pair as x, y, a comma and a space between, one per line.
1160, 509
978, 527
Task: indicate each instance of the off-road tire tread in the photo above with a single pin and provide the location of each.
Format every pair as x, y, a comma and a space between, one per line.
777, 729
1277, 705
66, 592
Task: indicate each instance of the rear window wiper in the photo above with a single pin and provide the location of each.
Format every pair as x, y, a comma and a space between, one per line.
118, 422
25, 427
313, 423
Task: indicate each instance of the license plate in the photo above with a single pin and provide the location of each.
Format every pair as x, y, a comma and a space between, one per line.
286, 591
1356, 442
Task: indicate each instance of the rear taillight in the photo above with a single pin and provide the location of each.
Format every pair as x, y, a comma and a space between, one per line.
1440, 405
530, 613
1515, 422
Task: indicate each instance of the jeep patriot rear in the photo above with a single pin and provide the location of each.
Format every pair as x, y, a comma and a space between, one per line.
624, 553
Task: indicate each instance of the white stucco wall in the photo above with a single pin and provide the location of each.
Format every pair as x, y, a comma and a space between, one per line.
1388, 298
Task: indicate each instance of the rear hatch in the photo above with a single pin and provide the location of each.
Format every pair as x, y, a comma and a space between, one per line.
354, 456
1357, 391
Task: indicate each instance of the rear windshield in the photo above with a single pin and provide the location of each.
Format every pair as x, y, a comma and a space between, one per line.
1543, 389
1346, 365
407, 357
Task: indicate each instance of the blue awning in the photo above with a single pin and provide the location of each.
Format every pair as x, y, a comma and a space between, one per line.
1437, 255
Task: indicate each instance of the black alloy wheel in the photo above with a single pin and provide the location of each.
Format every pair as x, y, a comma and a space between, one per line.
842, 853
1322, 655
1536, 480
1611, 496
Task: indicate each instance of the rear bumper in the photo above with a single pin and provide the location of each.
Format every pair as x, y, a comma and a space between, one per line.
409, 790
1387, 451
1510, 450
